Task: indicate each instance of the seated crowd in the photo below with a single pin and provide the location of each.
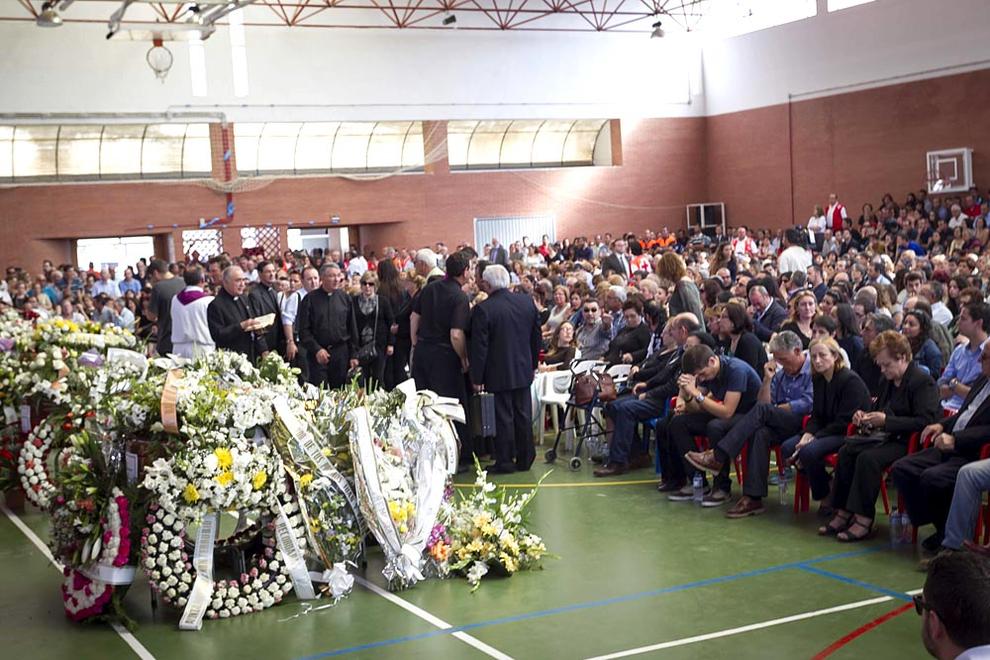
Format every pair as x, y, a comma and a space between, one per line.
845, 342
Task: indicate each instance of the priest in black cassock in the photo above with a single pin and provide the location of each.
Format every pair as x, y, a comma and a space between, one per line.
231, 318
328, 330
264, 300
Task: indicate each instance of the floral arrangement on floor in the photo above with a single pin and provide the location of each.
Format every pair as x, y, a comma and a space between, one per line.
132, 484
402, 464
486, 533
91, 527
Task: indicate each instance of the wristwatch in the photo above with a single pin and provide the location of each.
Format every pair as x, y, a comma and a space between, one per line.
953, 382
699, 397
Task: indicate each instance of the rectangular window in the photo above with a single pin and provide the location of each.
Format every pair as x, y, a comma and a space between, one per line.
114, 151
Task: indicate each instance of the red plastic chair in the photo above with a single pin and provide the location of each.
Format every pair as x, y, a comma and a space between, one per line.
701, 443
802, 489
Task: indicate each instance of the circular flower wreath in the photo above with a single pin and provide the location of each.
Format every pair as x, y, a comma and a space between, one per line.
32, 463
169, 567
32, 459
85, 597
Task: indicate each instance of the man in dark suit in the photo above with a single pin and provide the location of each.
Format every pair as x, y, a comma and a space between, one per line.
231, 318
499, 255
264, 300
505, 348
766, 312
926, 479
328, 330
618, 262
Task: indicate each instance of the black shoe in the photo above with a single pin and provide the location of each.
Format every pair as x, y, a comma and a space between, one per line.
502, 469
670, 486
598, 459
933, 542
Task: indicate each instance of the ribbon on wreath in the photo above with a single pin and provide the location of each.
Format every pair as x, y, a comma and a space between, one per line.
170, 397
202, 589
292, 555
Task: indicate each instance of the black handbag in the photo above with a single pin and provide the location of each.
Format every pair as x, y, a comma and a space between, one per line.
369, 352
483, 415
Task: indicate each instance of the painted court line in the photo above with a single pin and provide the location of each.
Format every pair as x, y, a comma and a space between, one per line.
526, 616
579, 484
862, 630
858, 583
434, 620
742, 629
125, 634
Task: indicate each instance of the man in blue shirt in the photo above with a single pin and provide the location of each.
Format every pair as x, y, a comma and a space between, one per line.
715, 392
964, 363
785, 397
129, 283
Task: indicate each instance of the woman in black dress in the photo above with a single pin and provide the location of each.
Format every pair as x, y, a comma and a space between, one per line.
390, 287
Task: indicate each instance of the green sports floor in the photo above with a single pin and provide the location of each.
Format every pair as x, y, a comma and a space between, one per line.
635, 575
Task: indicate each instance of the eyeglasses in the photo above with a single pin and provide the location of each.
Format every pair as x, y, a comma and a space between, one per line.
590, 310
920, 605
367, 284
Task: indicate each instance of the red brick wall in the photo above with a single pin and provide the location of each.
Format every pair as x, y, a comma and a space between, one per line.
859, 145
661, 172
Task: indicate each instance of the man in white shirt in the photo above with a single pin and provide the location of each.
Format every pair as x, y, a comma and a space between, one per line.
956, 217
794, 258
835, 213
934, 291
105, 285
190, 329
742, 244
954, 606
295, 353
358, 265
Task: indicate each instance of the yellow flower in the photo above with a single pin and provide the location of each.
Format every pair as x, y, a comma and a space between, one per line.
314, 526
224, 457
225, 478
488, 530
326, 451
190, 494
259, 480
305, 480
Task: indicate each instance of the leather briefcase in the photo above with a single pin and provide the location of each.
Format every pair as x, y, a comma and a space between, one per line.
483, 415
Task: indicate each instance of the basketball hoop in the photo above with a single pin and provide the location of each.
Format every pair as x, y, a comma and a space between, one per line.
159, 59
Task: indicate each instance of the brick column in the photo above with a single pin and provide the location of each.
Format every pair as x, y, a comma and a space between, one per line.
435, 147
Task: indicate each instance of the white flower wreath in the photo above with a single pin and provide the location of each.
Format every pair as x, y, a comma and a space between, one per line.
169, 566
32, 463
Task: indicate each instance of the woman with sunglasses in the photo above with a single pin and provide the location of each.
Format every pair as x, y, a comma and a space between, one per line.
374, 317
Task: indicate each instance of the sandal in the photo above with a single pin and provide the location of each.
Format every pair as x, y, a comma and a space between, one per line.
832, 529
849, 536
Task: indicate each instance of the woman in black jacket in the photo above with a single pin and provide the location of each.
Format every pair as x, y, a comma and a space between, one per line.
838, 393
736, 338
908, 402
374, 318
630, 344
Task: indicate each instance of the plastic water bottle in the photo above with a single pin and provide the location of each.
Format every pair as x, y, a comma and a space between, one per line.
698, 484
782, 488
896, 532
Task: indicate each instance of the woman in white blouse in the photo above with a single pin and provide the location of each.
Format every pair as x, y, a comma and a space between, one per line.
817, 224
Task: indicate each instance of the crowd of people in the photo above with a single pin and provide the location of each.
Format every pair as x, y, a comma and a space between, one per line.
845, 342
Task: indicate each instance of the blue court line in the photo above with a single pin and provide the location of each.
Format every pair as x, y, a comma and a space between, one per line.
806, 565
899, 595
